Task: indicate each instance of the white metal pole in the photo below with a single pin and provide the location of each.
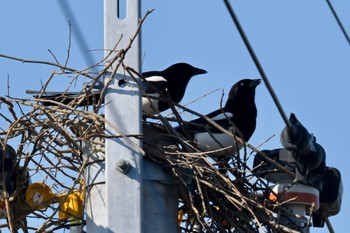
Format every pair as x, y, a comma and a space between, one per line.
123, 111
160, 194
95, 183
114, 180
117, 200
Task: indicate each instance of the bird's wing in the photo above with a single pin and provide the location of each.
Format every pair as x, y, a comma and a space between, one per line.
209, 138
50, 94
65, 97
151, 73
154, 84
202, 125
54, 94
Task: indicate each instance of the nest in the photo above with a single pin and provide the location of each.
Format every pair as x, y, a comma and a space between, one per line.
211, 198
49, 142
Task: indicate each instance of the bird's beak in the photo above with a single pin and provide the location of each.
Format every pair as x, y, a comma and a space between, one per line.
254, 83
197, 71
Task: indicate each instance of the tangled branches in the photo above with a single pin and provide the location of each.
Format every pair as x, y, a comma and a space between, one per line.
49, 150
210, 199
51, 140
49, 136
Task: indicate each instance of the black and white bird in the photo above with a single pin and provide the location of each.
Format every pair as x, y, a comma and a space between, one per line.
157, 86
238, 116
171, 82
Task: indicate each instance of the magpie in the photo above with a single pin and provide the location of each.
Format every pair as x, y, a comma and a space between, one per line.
157, 86
171, 82
237, 116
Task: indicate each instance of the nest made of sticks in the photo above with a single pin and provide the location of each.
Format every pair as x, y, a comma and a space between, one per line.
210, 199
49, 146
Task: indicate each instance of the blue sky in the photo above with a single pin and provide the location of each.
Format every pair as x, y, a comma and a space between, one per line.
299, 44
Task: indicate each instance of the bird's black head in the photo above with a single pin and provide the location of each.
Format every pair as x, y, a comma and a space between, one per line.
178, 76
242, 93
244, 88
183, 71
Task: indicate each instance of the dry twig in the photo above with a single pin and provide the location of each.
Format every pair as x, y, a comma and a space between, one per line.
51, 140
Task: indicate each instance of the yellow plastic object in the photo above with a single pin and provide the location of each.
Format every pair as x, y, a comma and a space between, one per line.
180, 215
39, 195
71, 207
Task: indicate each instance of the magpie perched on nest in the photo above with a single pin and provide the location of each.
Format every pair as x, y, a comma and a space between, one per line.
156, 86
238, 116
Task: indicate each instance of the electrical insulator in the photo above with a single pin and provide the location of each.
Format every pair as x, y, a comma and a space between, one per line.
299, 197
314, 185
330, 197
310, 157
267, 170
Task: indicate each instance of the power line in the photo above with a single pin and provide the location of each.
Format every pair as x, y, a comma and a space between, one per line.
83, 45
257, 64
338, 21
262, 73
329, 225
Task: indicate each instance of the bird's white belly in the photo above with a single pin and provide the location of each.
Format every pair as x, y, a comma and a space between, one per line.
149, 105
206, 142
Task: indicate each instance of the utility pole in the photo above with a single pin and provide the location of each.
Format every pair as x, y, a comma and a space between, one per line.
114, 196
126, 192
123, 111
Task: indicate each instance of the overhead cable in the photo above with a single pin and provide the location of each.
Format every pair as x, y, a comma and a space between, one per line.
257, 64
338, 21
263, 75
78, 34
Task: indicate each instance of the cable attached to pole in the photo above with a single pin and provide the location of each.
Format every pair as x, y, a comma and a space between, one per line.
329, 225
257, 64
263, 75
338, 21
